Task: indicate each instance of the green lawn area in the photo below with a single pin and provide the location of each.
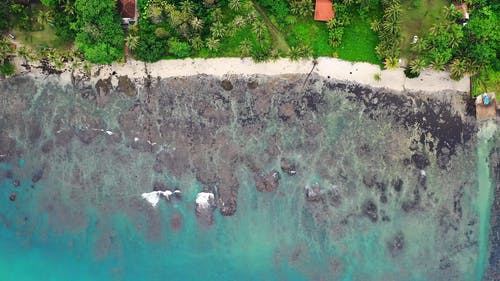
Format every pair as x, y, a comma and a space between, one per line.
313, 33
43, 38
359, 42
418, 16
488, 81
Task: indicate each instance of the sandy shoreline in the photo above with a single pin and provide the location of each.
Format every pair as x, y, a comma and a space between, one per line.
330, 68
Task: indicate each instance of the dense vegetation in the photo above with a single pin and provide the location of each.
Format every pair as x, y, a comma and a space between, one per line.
376, 31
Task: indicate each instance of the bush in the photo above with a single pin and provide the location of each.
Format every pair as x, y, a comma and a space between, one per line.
7, 69
179, 49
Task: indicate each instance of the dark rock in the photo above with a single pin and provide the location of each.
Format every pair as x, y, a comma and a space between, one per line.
7, 147
63, 137
226, 85
35, 131
47, 146
9, 174
269, 182
87, 136
16, 183
396, 244
420, 161
12, 197
383, 198
159, 186
286, 112
37, 176
288, 167
370, 210
228, 207
252, 84
397, 183
126, 86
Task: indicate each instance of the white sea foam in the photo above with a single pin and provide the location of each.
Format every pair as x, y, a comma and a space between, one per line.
154, 197
203, 199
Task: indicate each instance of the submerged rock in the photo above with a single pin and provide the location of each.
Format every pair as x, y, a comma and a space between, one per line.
16, 183
269, 182
288, 167
12, 197
396, 244
370, 210
37, 176
313, 193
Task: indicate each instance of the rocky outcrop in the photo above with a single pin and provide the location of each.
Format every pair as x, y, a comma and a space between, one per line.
288, 166
267, 182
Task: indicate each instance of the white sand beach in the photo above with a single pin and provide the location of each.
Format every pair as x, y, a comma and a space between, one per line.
429, 81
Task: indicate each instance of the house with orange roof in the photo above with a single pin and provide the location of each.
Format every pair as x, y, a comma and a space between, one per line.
323, 10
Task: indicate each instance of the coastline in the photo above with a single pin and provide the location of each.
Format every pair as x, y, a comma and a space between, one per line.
361, 73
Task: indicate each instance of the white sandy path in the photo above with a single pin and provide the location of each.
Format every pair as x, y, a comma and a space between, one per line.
364, 73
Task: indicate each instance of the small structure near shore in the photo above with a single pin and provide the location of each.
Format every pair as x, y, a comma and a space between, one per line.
324, 10
486, 106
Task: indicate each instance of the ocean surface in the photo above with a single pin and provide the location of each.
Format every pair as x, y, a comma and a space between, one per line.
387, 186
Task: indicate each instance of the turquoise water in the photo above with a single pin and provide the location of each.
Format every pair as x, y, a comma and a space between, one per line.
485, 193
85, 219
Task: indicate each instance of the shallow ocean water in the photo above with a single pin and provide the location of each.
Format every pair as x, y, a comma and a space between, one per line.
85, 219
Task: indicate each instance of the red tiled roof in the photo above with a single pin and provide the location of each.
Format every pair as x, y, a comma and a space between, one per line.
126, 8
324, 10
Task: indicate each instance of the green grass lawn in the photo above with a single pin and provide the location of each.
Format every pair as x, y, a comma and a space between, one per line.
43, 38
487, 81
359, 42
418, 16
313, 33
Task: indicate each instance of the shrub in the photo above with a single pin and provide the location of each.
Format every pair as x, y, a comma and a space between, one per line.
179, 49
7, 69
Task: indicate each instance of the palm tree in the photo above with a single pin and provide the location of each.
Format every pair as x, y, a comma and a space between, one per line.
239, 21
438, 62
375, 25
187, 7
393, 12
420, 46
235, 5
458, 67
259, 28
196, 23
417, 65
44, 17
245, 48
213, 44
132, 41
6, 50
301, 7
218, 30
25, 53
217, 15
391, 62
69, 8
197, 43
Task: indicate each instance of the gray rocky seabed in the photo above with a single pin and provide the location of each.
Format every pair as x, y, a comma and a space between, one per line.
353, 157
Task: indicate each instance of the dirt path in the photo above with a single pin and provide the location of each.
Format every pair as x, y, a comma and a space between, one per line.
278, 38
